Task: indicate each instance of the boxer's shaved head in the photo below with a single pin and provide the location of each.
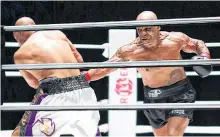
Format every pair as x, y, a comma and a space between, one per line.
149, 35
147, 15
24, 21
22, 36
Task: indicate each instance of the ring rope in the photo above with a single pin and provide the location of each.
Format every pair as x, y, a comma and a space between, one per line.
102, 102
188, 73
103, 46
114, 24
114, 107
212, 44
80, 46
132, 64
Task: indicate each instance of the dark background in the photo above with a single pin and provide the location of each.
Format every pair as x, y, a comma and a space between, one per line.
16, 89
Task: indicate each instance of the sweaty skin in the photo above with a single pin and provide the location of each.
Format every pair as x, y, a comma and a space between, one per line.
168, 48
41, 47
153, 44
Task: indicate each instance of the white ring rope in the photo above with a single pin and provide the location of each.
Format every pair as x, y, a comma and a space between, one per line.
212, 44
189, 73
104, 128
80, 46
190, 129
113, 107
114, 24
101, 102
103, 46
18, 74
132, 64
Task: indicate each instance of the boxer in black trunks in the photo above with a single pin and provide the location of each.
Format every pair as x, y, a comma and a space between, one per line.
162, 84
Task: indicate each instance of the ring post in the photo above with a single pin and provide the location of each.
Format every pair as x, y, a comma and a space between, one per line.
122, 88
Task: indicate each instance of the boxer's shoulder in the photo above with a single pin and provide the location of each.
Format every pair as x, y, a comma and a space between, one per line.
177, 37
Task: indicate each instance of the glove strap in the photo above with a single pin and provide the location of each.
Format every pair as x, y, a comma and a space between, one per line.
205, 54
88, 78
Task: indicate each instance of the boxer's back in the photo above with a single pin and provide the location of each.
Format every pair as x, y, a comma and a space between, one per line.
48, 47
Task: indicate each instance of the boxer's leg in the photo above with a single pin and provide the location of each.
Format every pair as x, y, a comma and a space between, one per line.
176, 126
88, 120
160, 131
24, 127
178, 119
16, 132
158, 121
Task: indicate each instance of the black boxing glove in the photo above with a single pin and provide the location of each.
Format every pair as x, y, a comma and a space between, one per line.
202, 71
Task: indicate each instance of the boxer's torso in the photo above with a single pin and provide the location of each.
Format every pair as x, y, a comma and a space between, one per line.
159, 76
48, 47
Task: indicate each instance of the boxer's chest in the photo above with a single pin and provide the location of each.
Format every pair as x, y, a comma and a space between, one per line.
165, 51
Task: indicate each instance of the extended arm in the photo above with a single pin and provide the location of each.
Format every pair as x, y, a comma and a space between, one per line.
123, 54
119, 56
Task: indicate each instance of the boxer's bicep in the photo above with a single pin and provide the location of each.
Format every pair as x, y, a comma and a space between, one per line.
121, 54
190, 45
186, 43
73, 48
75, 52
30, 79
196, 46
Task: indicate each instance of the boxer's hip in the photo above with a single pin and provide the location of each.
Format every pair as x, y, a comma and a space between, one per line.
180, 92
166, 91
54, 85
61, 91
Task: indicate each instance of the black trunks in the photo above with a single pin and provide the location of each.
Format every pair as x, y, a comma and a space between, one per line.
180, 92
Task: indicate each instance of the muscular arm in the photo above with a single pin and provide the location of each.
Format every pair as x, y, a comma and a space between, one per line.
77, 55
119, 56
29, 78
191, 45
75, 52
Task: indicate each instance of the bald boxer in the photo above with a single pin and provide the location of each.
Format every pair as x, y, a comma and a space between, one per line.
162, 84
54, 86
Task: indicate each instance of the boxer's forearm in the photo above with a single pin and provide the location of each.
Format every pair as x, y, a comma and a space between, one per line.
192, 45
201, 48
96, 74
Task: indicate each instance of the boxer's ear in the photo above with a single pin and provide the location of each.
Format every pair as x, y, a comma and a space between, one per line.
158, 27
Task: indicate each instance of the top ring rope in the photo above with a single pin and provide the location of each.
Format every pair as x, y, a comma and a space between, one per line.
131, 64
113, 24
85, 46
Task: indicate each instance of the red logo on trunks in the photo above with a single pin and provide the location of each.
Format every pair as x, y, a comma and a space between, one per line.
123, 84
45, 126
